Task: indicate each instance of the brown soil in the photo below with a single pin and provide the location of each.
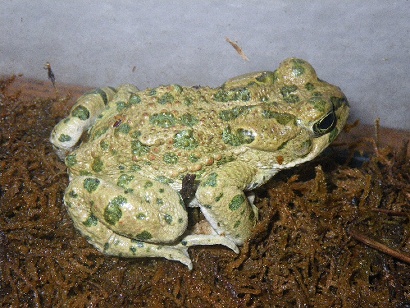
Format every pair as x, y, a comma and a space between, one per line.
333, 233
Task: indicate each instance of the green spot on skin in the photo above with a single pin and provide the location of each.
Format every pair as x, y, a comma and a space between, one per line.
137, 148
148, 184
97, 165
224, 160
70, 160
237, 224
318, 103
231, 114
193, 158
124, 180
91, 184
135, 99
281, 118
160, 201
188, 119
185, 140
104, 145
309, 86
188, 101
141, 216
112, 212
239, 94
167, 98
286, 90
123, 128
106, 246
121, 106
99, 132
135, 134
287, 94
245, 136
266, 78
163, 119
135, 168
164, 179
64, 138
236, 202
217, 198
177, 88
85, 173
168, 219
241, 136
73, 194
210, 180
298, 70
143, 236
291, 99
170, 158
133, 249
81, 112
91, 221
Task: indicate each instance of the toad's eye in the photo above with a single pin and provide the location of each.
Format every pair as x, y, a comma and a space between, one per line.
325, 124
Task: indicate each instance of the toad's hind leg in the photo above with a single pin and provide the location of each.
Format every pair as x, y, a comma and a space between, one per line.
133, 218
83, 115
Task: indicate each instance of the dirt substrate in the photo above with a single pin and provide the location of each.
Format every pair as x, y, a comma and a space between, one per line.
311, 247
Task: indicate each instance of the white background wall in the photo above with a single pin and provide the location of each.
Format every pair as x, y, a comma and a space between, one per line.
361, 46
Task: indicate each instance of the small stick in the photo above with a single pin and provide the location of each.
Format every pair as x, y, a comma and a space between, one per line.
50, 73
381, 247
390, 212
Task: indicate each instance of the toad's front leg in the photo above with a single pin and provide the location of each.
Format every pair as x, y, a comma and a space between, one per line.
224, 204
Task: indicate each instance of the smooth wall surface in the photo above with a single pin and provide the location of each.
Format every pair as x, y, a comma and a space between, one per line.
361, 46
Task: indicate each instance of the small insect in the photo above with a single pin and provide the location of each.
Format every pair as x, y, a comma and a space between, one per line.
118, 120
117, 123
50, 73
238, 49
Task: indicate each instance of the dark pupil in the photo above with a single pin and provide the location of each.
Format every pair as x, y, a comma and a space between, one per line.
325, 125
327, 122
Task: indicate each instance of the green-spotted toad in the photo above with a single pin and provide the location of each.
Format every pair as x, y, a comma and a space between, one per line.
126, 175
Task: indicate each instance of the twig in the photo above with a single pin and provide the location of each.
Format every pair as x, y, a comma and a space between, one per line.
50, 73
381, 247
391, 212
